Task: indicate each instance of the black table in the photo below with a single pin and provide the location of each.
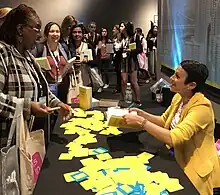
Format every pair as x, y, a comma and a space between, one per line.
51, 181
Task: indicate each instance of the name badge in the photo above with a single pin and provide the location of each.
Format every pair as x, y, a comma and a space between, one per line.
43, 100
60, 79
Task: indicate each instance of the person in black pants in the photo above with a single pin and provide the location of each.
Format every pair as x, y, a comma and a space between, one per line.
117, 57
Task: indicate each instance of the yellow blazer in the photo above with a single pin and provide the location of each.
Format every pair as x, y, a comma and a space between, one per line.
193, 141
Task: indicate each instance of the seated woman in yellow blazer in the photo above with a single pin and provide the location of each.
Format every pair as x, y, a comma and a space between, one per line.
187, 126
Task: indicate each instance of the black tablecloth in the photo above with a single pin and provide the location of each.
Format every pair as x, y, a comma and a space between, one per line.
51, 181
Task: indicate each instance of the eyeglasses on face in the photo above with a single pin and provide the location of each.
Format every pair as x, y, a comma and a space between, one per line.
37, 30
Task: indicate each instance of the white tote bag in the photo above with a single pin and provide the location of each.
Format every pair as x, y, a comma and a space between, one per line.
73, 91
9, 157
31, 149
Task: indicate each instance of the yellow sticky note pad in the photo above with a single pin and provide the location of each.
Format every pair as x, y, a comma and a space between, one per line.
68, 178
87, 161
105, 156
65, 156
82, 152
173, 185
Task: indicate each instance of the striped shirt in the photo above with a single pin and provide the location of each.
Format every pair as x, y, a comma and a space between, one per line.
20, 77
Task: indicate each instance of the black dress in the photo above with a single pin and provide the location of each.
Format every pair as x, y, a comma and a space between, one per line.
129, 62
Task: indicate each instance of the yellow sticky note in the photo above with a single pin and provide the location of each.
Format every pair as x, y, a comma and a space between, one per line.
65, 156
81, 153
102, 184
91, 152
87, 161
83, 132
173, 185
104, 132
145, 156
87, 184
108, 190
126, 189
68, 178
79, 113
105, 156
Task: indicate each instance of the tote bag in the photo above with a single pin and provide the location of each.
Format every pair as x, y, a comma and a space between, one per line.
30, 153
73, 91
10, 168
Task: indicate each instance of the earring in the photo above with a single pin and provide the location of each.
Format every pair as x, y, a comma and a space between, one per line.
20, 38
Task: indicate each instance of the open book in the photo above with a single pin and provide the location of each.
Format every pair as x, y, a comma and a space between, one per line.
43, 62
115, 117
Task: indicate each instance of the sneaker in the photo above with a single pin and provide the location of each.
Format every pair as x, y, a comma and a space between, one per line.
106, 86
99, 90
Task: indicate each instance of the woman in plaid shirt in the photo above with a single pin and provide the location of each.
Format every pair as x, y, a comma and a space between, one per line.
20, 75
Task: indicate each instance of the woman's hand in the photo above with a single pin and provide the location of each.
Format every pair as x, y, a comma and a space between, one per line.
65, 111
133, 120
138, 111
39, 110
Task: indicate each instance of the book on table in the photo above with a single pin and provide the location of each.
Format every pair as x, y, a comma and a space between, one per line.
85, 97
115, 117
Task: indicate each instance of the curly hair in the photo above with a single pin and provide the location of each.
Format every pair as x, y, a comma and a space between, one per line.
20, 15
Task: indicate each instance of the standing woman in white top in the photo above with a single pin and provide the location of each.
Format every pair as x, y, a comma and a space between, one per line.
77, 46
129, 62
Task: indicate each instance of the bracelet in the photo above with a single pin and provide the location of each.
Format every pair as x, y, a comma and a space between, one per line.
143, 123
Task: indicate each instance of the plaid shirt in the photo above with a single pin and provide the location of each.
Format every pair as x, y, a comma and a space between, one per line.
19, 78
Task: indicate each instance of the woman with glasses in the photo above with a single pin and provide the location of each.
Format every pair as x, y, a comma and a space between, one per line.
20, 75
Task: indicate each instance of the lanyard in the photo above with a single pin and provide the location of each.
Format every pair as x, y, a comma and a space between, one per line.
56, 62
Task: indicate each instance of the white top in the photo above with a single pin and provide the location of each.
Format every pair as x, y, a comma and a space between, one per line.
176, 117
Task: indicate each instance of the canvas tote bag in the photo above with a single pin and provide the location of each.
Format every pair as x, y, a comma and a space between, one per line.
73, 91
9, 157
30, 151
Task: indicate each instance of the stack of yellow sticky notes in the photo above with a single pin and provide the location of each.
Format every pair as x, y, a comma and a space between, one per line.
127, 175
86, 121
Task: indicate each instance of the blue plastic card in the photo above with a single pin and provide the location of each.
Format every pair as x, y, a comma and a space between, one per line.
100, 150
125, 189
121, 169
79, 176
164, 193
147, 167
104, 172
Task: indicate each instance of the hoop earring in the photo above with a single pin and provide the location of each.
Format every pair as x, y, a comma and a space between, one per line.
20, 38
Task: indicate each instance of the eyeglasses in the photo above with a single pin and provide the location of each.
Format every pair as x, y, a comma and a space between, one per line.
37, 30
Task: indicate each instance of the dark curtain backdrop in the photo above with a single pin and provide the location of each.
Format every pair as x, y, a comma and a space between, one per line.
105, 13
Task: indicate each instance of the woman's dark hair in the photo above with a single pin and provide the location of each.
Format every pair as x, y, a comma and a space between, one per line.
48, 26
139, 31
67, 23
129, 28
19, 15
104, 38
196, 72
71, 32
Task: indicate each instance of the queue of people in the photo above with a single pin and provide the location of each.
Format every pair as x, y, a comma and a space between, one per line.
187, 125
